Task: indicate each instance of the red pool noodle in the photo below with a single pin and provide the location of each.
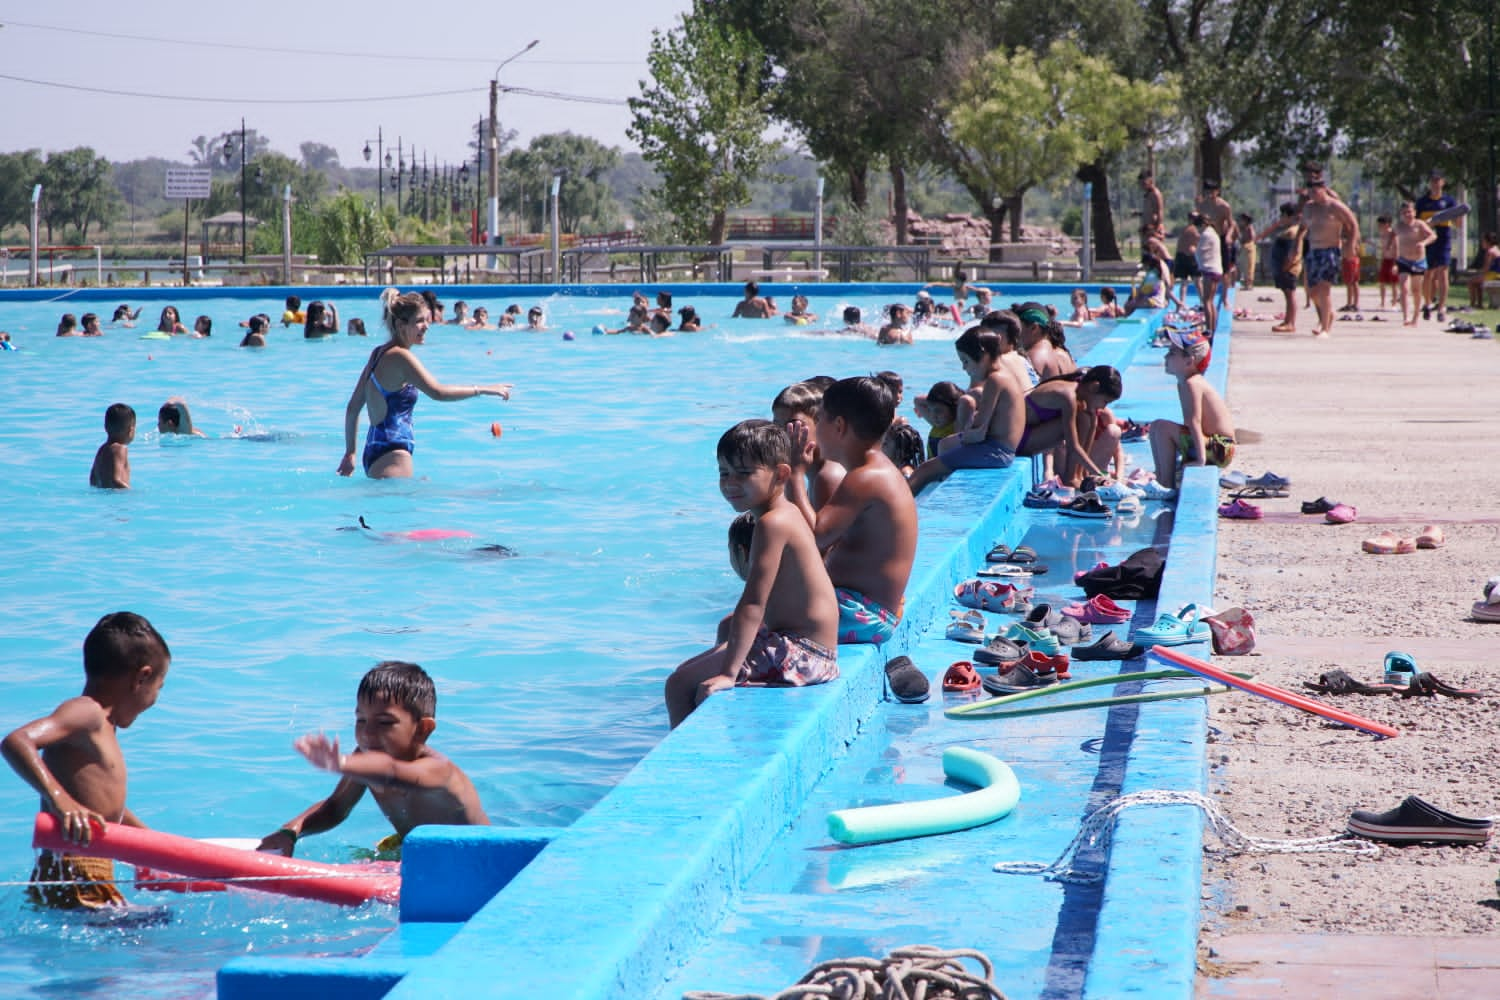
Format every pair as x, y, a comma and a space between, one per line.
1289, 698
165, 852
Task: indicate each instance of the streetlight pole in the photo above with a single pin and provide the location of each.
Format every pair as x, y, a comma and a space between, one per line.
244, 183
379, 170
494, 144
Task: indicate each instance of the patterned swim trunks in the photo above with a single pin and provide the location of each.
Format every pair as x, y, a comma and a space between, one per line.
863, 620
787, 661
1323, 266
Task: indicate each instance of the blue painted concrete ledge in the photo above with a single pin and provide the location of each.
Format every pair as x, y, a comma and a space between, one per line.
711, 851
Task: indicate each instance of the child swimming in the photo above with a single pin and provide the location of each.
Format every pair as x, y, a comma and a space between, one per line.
111, 469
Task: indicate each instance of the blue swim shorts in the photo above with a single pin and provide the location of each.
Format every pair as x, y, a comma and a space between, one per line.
863, 620
1323, 266
986, 454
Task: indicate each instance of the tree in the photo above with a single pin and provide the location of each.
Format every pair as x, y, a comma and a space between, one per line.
585, 196
319, 156
1019, 120
701, 119
77, 192
19, 173
349, 227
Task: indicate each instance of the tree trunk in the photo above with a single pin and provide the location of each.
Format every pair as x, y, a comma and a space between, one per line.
1210, 156
898, 195
1013, 206
996, 214
1106, 245
859, 186
717, 226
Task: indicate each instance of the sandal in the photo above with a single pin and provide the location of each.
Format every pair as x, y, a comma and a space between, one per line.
967, 626
1341, 513
1322, 505
999, 554
1024, 555
1426, 685
1174, 630
986, 595
1240, 510
1386, 544
1431, 537
1088, 505
961, 678
1339, 682
1260, 493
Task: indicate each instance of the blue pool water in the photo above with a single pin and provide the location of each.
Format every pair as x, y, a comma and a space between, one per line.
549, 664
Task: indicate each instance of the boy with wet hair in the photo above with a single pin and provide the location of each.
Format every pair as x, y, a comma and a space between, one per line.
799, 403
111, 469
74, 761
868, 528
1206, 434
414, 785
784, 630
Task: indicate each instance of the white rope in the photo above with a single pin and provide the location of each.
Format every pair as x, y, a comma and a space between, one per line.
1098, 828
915, 972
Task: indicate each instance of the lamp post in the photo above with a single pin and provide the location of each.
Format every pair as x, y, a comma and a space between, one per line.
244, 166
494, 143
396, 180
379, 175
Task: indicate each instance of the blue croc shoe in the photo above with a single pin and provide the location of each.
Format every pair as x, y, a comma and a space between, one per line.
1174, 630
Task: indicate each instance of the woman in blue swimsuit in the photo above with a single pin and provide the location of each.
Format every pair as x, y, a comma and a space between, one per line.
387, 389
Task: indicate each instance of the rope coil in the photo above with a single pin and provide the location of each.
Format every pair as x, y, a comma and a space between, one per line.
913, 972
1098, 827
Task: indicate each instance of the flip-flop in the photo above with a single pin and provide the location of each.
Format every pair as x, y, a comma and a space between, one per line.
961, 678
1383, 544
1012, 569
999, 554
1259, 493
1426, 685
1024, 555
1339, 682
1431, 537
1087, 505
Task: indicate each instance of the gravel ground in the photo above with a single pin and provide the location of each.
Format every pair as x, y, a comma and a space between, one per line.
1396, 422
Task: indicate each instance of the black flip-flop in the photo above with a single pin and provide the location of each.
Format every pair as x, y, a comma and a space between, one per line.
999, 554
1262, 493
1426, 685
1024, 555
1339, 682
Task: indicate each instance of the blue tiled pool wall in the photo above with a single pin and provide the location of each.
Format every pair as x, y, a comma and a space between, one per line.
663, 855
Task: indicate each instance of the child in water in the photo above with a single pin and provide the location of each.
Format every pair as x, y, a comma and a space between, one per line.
784, 630
111, 470
394, 715
74, 761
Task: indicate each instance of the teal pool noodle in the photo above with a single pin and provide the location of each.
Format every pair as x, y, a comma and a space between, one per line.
998, 793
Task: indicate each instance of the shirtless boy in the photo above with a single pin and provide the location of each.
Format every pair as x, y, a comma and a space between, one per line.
1329, 225
799, 403
1151, 203
1206, 434
73, 759
868, 528
753, 306
414, 785
1219, 215
784, 630
111, 469
1412, 237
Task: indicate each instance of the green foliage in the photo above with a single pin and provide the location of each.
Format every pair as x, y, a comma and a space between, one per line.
1071, 222
349, 227
701, 120
77, 192
1019, 120
19, 173
586, 202
858, 226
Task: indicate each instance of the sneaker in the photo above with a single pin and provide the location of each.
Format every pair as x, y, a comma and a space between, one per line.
1414, 820
1442, 315
908, 684
1427, 312
1108, 646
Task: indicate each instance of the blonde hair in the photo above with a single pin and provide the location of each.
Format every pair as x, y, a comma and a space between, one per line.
396, 308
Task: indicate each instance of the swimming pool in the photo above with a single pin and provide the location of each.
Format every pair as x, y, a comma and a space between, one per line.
549, 664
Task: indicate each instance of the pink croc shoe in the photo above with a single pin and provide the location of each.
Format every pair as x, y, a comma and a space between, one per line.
1098, 610
1341, 513
1239, 510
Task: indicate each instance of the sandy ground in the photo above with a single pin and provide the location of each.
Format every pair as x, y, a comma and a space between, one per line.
1400, 423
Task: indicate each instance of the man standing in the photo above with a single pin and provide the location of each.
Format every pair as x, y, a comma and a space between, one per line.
1329, 223
1152, 209
1219, 215
1440, 250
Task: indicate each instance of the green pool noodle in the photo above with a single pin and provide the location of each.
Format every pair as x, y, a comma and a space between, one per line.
998, 793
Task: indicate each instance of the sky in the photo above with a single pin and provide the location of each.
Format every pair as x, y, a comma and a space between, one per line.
337, 73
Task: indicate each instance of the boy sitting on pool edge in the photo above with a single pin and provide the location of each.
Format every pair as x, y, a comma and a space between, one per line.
414, 785
868, 528
784, 630
1206, 434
